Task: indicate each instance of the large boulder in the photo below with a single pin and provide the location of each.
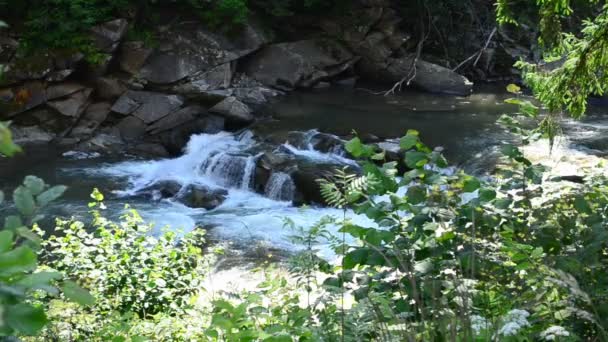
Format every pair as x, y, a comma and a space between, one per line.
108, 88
147, 106
131, 128
219, 77
187, 49
177, 118
174, 139
92, 118
298, 64
133, 56
74, 105
234, 110
426, 76
107, 36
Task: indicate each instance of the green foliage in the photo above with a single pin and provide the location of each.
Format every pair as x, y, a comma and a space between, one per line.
7, 147
21, 280
454, 251
574, 60
125, 267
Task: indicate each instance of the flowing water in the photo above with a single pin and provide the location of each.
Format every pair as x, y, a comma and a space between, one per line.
248, 219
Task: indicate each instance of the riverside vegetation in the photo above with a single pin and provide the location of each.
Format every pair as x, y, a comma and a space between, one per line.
451, 256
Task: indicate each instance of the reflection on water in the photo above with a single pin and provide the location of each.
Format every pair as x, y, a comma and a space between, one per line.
463, 125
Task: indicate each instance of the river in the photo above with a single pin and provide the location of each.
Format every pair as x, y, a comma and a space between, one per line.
250, 224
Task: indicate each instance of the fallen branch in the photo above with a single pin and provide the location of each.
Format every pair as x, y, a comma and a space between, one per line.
478, 53
412, 71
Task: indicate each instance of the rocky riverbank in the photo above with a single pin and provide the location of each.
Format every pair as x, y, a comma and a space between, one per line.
150, 98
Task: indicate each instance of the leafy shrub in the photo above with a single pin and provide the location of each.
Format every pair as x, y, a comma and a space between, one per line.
457, 258
130, 272
21, 281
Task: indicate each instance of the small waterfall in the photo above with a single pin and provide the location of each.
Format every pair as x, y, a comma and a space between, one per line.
280, 187
230, 170
248, 173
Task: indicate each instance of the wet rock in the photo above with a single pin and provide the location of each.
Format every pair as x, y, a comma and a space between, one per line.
107, 88
104, 141
428, 76
107, 36
269, 162
31, 135
63, 89
166, 189
151, 150
147, 106
176, 138
131, 128
28, 96
133, 56
233, 110
74, 105
177, 118
298, 64
59, 75
322, 142
218, 77
202, 197
306, 181
93, 117
349, 82
570, 178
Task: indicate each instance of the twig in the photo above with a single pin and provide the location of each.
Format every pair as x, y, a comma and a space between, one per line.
412, 71
478, 53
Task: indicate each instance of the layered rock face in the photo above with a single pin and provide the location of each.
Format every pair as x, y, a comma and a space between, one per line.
196, 80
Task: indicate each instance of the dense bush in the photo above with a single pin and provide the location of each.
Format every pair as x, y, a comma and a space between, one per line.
133, 274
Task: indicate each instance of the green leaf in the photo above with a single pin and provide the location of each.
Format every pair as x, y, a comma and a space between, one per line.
510, 151
34, 184
19, 260
50, 195
409, 141
77, 294
27, 233
414, 159
12, 222
582, 206
25, 319
97, 195
537, 253
7, 147
41, 281
354, 258
1, 197
358, 149
513, 88
487, 195
24, 201
416, 194
471, 184
6, 240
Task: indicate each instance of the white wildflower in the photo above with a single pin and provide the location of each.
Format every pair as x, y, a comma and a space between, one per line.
509, 329
479, 323
553, 332
515, 320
